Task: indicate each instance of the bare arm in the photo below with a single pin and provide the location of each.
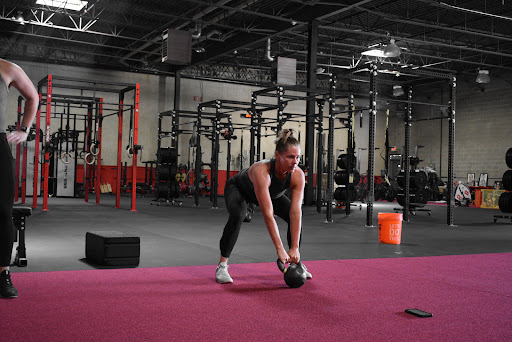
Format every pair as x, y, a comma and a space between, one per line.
297, 187
260, 177
24, 85
16, 77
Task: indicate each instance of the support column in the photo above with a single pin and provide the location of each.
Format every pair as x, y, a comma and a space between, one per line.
371, 145
119, 150
320, 156
350, 153
18, 150
36, 151
198, 158
280, 109
215, 160
451, 152
177, 103
309, 152
252, 141
135, 145
407, 152
87, 150
49, 88
330, 149
98, 156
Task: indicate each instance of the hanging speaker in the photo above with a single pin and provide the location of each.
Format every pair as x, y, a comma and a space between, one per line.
176, 46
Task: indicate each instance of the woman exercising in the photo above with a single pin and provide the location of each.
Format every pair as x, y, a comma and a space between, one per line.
265, 184
11, 75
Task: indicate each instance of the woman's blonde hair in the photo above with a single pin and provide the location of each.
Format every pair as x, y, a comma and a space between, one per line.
285, 139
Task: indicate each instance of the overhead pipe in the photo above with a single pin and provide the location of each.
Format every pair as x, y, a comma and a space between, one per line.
268, 57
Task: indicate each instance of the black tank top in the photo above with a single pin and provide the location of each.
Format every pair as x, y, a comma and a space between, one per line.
276, 189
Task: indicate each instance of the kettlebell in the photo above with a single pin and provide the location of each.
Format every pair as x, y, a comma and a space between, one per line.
294, 275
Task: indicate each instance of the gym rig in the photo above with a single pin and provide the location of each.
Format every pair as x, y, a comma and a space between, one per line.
57, 147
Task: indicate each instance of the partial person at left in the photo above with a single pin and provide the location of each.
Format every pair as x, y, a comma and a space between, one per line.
11, 75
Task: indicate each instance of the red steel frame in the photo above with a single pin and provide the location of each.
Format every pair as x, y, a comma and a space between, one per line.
87, 170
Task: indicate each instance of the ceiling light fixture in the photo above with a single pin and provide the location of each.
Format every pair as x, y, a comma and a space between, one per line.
73, 5
483, 77
392, 50
398, 91
373, 53
20, 18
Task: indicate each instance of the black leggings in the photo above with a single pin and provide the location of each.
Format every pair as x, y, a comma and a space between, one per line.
6, 201
237, 208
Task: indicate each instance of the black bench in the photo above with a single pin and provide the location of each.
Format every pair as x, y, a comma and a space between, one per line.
112, 248
19, 216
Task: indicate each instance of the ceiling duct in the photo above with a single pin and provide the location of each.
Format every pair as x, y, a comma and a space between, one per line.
268, 56
197, 32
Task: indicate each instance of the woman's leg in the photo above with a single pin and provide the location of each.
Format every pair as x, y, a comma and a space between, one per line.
237, 208
282, 207
6, 203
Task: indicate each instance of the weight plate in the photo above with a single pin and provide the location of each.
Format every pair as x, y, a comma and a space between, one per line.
507, 180
508, 158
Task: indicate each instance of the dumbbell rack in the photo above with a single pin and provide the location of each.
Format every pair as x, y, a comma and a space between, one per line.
506, 196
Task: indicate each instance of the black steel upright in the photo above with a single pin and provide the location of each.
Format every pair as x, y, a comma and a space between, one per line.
371, 145
309, 152
330, 148
280, 108
177, 95
228, 157
215, 155
406, 156
320, 155
198, 157
252, 141
451, 151
350, 153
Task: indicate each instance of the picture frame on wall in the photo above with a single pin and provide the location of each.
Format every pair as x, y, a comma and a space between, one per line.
471, 179
483, 179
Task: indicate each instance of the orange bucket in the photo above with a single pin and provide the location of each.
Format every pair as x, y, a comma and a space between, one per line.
390, 228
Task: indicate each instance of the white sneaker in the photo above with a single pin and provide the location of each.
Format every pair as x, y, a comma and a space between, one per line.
308, 275
221, 274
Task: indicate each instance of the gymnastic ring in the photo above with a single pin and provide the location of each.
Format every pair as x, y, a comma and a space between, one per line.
94, 149
87, 157
66, 157
81, 155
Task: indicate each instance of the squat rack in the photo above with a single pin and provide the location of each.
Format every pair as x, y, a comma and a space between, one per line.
373, 78
45, 89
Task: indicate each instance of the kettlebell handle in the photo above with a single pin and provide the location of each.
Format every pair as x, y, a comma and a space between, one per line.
281, 266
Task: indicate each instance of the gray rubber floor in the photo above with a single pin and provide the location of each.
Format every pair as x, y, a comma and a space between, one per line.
188, 235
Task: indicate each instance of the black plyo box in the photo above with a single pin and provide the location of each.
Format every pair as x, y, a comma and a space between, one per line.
112, 248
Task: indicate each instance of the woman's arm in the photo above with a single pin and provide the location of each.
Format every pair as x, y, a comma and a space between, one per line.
259, 174
297, 187
19, 80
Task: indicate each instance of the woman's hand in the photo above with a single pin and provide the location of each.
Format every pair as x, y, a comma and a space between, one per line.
17, 137
283, 256
294, 255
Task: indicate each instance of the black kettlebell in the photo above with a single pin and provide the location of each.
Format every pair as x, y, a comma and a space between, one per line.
294, 275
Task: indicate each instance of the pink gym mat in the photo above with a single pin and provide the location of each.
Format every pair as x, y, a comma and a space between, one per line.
470, 297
